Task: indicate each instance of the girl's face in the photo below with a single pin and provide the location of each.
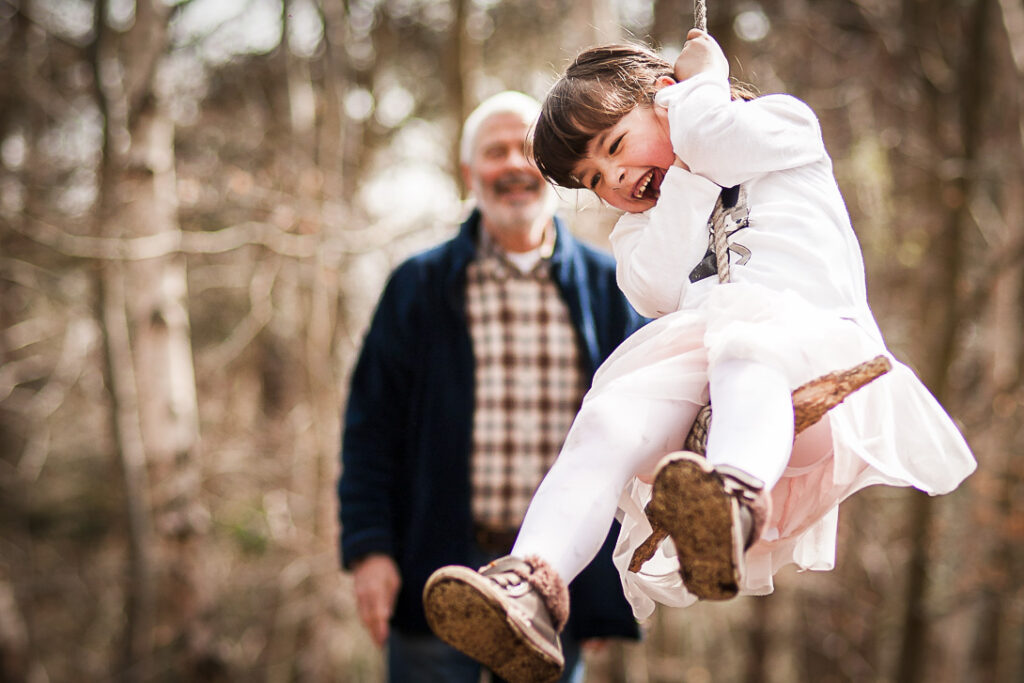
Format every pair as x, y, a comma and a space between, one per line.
626, 163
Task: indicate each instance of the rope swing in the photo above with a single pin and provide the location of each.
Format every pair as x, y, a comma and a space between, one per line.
720, 232
700, 15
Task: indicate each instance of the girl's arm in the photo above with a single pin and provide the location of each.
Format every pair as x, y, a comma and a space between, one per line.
656, 250
730, 142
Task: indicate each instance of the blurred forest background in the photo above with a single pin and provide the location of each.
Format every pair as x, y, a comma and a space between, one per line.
199, 203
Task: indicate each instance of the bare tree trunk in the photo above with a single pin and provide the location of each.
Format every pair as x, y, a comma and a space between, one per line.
459, 77
946, 316
996, 586
168, 405
330, 123
144, 317
14, 648
992, 645
915, 619
119, 373
759, 639
354, 148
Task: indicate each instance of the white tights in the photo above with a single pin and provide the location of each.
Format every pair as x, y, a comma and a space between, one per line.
752, 423
620, 434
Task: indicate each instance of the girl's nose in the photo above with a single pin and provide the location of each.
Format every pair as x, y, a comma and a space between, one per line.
613, 174
618, 174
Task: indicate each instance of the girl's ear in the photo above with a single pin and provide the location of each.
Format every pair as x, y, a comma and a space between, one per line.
663, 82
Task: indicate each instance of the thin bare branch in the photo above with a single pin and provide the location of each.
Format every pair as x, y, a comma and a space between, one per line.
261, 310
172, 242
29, 332
80, 337
249, 233
16, 372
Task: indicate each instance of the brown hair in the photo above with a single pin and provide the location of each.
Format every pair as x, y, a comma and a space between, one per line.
602, 85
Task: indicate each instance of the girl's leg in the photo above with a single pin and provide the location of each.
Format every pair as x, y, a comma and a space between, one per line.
613, 438
752, 419
813, 445
713, 508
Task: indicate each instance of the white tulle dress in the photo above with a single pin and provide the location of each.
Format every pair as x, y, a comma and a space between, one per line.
796, 299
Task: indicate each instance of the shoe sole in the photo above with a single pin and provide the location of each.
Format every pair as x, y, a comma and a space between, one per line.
464, 612
689, 502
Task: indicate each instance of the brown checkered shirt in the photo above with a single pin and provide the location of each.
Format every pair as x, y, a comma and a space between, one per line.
529, 381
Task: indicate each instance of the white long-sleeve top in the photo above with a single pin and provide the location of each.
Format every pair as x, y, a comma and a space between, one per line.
799, 235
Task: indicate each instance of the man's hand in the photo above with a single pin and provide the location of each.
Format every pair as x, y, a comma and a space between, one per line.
700, 54
376, 581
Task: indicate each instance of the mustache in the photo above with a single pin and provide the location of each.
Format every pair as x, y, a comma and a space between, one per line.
517, 181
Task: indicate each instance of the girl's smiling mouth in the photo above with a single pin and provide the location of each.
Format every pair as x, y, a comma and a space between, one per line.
648, 187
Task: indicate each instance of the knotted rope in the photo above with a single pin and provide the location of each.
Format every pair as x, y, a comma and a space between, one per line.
721, 236
700, 15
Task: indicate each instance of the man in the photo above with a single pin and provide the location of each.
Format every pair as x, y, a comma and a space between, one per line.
474, 365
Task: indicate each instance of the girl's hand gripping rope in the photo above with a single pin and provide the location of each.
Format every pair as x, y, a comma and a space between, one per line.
700, 54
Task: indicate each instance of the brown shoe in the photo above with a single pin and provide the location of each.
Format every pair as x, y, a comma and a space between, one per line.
507, 616
713, 515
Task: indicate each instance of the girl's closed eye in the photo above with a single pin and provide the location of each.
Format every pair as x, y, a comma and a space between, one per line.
612, 149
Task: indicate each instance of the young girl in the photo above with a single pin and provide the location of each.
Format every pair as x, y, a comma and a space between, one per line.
794, 308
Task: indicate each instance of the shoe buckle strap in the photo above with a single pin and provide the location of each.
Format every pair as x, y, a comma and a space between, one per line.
507, 564
517, 589
738, 483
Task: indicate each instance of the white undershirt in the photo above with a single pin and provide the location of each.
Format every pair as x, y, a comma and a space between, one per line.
526, 260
